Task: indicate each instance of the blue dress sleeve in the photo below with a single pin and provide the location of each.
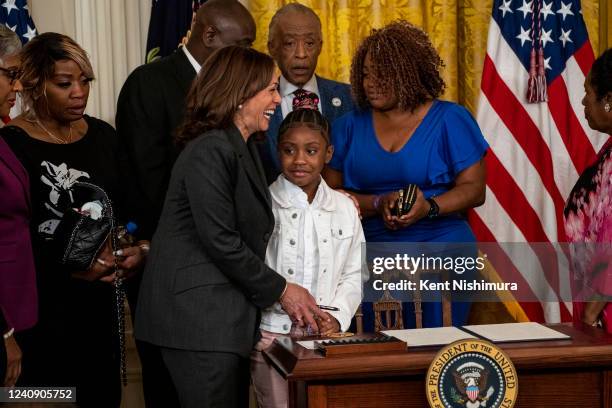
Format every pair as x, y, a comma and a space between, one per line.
341, 136
461, 145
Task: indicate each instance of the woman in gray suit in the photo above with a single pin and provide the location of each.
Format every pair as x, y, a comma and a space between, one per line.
205, 281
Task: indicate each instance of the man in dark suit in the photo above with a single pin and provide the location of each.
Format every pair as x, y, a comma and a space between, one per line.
149, 109
152, 101
294, 41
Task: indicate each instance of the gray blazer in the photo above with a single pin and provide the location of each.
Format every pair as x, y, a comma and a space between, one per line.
205, 280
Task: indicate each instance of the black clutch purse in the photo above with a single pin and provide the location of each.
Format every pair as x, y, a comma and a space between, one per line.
405, 201
81, 234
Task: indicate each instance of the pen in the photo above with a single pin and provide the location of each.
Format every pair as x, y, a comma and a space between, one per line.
332, 308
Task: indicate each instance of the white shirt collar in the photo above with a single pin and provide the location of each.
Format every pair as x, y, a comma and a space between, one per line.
287, 88
287, 194
192, 60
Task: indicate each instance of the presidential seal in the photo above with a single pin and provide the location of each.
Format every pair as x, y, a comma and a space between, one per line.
472, 374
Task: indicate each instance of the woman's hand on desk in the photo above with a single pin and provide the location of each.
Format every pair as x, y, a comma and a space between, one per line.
301, 307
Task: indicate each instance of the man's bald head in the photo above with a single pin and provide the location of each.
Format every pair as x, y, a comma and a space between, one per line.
219, 23
294, 41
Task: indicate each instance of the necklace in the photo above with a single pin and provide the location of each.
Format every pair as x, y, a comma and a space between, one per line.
57, 139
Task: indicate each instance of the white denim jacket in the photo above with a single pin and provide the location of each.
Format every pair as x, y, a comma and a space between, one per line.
339, 238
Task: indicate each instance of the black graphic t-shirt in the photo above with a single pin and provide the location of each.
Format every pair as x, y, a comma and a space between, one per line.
54, 168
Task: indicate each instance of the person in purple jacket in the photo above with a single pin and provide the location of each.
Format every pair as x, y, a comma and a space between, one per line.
18, 301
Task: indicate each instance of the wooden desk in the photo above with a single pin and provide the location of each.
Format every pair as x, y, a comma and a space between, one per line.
568, 373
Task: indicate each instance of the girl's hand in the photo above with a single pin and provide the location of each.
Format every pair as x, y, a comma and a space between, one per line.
329, 325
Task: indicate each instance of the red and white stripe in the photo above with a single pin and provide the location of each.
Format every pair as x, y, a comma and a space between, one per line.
537, 153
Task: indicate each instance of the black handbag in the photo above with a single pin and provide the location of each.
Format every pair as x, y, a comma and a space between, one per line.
79, 237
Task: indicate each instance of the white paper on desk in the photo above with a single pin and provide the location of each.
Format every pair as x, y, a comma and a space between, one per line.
528, 331
308, 344
438, 336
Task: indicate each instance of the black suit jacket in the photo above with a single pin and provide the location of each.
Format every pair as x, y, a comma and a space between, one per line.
205, 278
150, 107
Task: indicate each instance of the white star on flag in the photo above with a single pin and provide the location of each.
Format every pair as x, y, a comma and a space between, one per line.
505, 7
546, 37
546, 10
565, 36
524, 36
13, 28
546, 63
565, 10
30, 34
9, 5
525, 8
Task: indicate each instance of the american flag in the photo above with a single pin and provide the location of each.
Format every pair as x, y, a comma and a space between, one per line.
539, 149
15, 15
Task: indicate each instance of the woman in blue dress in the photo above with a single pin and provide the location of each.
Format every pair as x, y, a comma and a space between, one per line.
402, 134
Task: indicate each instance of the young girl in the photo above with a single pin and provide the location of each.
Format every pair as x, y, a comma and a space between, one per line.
316, 243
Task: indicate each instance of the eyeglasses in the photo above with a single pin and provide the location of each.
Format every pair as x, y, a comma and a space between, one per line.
12, 73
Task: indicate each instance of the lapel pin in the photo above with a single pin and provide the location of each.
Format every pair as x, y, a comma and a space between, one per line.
336, 102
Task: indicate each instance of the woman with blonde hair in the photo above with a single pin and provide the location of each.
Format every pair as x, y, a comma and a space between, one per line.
75, 342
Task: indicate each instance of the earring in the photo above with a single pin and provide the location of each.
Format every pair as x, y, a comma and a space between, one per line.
607, 107
239, 106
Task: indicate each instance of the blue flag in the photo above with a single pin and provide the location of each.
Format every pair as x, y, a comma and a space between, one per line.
170, 22
15, 15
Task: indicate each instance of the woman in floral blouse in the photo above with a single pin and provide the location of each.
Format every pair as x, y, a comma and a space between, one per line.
588, 212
